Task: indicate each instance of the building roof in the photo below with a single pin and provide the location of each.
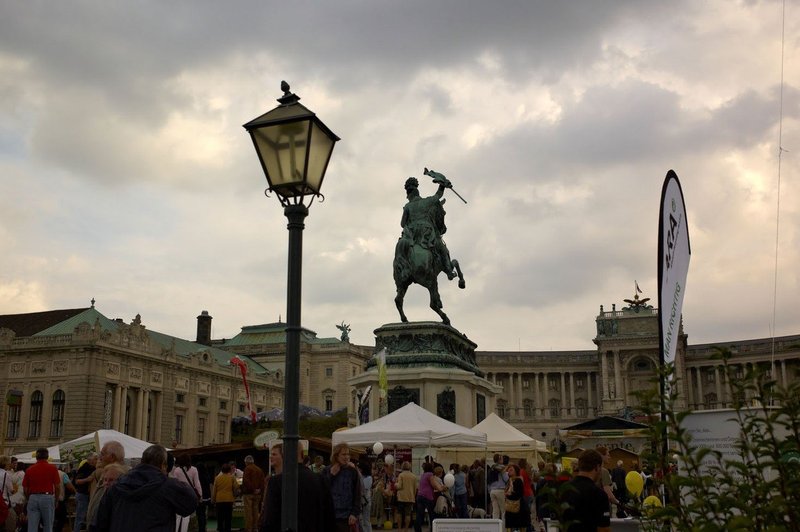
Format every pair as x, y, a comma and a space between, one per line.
60, 322
273, 333
34, 322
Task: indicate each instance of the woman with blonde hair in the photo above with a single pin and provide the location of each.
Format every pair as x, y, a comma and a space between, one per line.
345, 482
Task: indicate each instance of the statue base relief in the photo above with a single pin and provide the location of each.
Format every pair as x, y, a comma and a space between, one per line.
433, 365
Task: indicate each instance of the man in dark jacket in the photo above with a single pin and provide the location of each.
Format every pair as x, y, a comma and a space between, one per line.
145, 499
314, 503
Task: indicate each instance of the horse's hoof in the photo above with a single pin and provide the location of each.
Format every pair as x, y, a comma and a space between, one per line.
462, 284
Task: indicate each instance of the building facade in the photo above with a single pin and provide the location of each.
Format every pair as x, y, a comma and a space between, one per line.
326, 364
69, 372
543, 392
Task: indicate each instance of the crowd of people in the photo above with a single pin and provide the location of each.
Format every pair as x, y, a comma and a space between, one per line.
345, 495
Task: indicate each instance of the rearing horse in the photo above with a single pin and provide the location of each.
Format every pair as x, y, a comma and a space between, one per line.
416, 264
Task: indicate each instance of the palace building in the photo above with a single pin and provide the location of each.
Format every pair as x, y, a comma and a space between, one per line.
69, 372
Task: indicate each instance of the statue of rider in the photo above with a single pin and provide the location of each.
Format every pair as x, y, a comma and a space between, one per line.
423, 222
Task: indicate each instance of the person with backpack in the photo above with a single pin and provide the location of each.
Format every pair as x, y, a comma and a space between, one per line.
496, 480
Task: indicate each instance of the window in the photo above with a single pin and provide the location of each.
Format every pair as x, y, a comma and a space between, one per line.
642, 364
241, 408
328, 404
710, 377
221, 426
35, 421
127, 414
201, 431
580, 407
526, 384
179, 397
202, 401
57, 419
711, 400
555, 407
14, 411
552, 383
179, 428
501, 408
527, 407
329, 372
580, 383
223, 405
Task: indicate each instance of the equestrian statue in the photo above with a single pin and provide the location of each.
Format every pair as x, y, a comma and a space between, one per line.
421, 254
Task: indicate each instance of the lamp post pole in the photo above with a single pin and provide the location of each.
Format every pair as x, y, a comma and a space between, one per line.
294, 148
296, 215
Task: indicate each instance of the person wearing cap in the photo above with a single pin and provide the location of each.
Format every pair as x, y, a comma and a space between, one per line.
42, 487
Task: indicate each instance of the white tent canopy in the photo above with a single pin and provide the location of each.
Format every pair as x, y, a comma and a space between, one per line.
500, 435
77, 449
411, 426
94, 441
500, 438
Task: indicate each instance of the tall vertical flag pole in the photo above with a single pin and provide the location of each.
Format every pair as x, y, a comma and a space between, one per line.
673, 266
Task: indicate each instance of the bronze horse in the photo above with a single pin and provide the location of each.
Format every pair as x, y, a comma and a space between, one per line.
415, 264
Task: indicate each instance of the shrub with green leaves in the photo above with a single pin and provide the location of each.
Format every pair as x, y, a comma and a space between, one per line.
754, 488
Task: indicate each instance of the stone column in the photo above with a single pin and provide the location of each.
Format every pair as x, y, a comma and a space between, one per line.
521, 394
158, 415
589, 391
115, 424
603, 376
137, 425
123, 400
47, 410
510, 395
618, 377
536, 399
783, 373
700, 400
718, 384
563, 396
572, 393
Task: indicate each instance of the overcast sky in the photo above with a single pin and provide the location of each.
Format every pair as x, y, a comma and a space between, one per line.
127, 177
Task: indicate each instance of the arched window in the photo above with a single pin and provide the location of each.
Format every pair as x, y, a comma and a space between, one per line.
35, 420
14, 413
57, 419
555, 408
527, 407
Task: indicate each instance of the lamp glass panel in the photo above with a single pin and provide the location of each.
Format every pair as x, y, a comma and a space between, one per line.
321, 147
282, 148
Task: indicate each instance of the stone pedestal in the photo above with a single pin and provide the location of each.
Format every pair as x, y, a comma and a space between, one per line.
433, 365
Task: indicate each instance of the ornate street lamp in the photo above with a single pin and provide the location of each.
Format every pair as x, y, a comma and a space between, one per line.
294, 148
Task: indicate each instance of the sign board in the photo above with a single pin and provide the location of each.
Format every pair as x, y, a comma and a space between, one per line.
468, 525
719, 430
262, 440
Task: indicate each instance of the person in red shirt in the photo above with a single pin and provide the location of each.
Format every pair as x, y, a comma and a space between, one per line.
42, 487
527, 487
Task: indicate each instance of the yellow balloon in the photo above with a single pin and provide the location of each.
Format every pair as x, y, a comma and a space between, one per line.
634, 483
652, 500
